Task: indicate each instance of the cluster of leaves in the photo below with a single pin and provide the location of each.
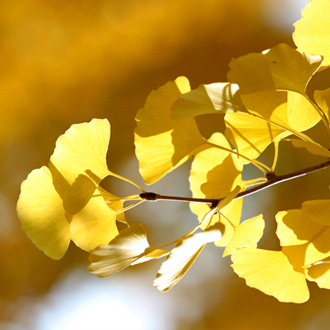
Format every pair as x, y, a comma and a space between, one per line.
264, 102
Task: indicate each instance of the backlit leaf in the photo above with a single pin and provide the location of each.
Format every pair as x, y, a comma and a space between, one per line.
41, 212
322, 98
94, 225
273, 83
303, 240
312, 31
78, 163
271, 273
313, 148
246, 235
317, 210
250, 135
183, 256
278, 68
162, 143
124, 250
212, 98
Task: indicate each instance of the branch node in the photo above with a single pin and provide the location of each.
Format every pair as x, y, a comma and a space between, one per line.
149, 196
270, 176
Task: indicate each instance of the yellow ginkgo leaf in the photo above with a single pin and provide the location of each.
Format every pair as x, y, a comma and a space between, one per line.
183, 256
212, 98
213, 166
273, 84
95, 224
303, 241
128, 248
320, 273
313, 148
322, 98
64, 201
162, 143
312, 31
295, 229
82, 150
278, 68
42, 216
317, 211
246, 235
272, 273
251, 135
78, 163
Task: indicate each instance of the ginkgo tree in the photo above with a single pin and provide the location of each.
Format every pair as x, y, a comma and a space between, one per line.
264, 102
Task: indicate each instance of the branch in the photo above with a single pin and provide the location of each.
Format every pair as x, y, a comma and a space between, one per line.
272, 180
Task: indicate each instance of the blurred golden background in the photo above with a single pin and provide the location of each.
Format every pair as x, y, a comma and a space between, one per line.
65, 62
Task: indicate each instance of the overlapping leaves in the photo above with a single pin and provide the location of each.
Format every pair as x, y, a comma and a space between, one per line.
64, 202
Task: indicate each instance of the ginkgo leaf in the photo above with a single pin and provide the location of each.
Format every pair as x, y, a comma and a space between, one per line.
114, 202
212, 98
322, 98
82, 150
183, 256
317, 211
313, 148
311, 33
212, 166
278, 68
246, 235
78, 163
303, 240
320, 273
251, 135
272, 273
214, 173
273, 83
124, 250
162, 143
94, 225
42, 216
295, 229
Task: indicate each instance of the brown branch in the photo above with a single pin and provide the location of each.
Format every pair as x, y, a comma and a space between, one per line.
272, 180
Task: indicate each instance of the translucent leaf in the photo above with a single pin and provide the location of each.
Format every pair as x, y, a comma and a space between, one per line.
212, 98
313, 148
161, 143
250, 135
303, 241
212, 166
114, 202
78, 163
295, 229
232, 211
317, 210
82, 150
273, 83
246, 235
271, 273
302, 114
124, 250
322, 98
320, 273
183, 256
312, 31
94, 225
278, 68
42, 215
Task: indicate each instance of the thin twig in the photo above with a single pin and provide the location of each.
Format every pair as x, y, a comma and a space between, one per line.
272, 180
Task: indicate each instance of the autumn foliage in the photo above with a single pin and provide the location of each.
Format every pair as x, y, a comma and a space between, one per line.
264, 102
